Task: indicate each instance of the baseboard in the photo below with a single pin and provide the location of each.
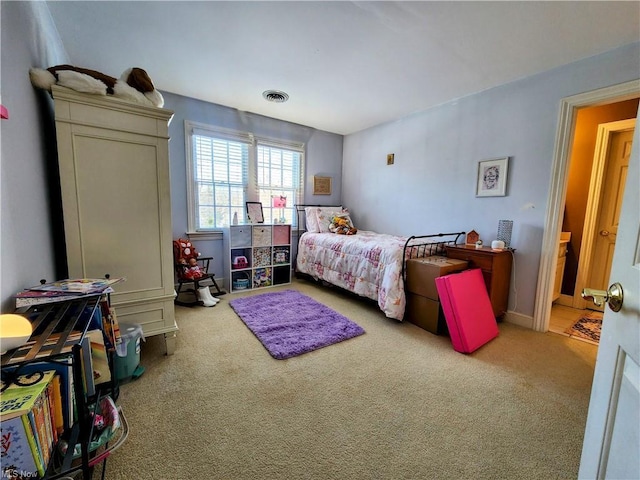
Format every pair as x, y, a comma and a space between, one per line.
221, 281
566, 300
519, 319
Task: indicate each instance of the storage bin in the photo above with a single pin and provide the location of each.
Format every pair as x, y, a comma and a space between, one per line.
127, 356
281, 234
240, 236
261, 236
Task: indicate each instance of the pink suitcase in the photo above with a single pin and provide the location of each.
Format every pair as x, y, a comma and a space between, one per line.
467, 310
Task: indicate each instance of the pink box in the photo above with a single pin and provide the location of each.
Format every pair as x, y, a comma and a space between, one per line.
467, 310
281, 234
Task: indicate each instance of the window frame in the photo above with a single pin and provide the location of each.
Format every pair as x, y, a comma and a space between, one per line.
251, 188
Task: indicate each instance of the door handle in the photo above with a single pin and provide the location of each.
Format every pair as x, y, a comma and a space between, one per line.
614, 296
604, 233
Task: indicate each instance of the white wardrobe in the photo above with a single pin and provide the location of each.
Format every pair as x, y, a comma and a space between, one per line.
114, 174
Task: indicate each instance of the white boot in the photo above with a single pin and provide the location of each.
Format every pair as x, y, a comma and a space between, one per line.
204, 295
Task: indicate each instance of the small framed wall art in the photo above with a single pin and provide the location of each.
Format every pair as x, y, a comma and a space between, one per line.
492, 177
254, 212
321, 185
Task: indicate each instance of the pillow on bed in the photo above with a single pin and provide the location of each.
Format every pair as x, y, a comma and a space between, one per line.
311, 219
324, 216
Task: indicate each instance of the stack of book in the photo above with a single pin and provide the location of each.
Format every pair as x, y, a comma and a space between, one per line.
63, 290
38, 407
31, 421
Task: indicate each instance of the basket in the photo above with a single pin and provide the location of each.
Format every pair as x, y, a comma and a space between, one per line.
113, 423
241, 283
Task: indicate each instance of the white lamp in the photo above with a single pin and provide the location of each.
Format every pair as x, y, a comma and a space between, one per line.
15, 330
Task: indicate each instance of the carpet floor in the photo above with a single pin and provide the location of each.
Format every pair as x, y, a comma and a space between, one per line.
395, 403
289, 323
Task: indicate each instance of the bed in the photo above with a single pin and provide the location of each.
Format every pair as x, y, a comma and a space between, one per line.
369, 264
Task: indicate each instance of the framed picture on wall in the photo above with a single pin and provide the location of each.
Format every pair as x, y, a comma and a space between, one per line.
254, 212
321, 185
492, 177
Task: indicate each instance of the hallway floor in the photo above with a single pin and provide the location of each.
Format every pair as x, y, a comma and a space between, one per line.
562, 318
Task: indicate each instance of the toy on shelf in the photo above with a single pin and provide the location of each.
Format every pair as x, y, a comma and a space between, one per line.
134, 84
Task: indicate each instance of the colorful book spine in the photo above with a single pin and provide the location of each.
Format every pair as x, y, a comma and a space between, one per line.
58, 416
110, 326
87, 367
36, 438
63, 370
41, 427
29, 399
32, 443
52, 420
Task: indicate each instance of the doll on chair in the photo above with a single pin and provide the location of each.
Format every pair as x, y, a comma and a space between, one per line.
192, 271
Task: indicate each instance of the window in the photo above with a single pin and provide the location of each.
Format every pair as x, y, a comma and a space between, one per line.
227, 169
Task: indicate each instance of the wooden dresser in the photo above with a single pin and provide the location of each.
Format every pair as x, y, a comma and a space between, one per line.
496, 270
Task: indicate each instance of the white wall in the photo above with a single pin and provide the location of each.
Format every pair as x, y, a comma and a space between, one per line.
30, 211
432, 183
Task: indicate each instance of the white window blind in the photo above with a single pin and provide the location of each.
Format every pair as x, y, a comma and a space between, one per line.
279, 175
229, 168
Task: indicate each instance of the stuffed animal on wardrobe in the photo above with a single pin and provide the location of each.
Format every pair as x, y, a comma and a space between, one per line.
134, 84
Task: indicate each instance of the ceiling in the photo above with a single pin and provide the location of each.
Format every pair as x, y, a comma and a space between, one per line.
347, 66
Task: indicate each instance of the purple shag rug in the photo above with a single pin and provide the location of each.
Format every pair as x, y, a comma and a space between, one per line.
289, 323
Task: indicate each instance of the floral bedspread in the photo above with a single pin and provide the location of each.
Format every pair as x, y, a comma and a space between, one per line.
368, 264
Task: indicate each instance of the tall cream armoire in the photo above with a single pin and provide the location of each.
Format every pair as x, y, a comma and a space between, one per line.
114, 174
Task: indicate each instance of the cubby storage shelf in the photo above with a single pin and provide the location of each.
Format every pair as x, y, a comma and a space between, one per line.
257, 256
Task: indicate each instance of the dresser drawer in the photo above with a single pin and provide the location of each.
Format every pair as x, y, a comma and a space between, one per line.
475, 259
496, 271
261, 236
240, 236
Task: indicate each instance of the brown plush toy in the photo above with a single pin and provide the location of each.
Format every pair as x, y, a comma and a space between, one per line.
342, 226
134, 85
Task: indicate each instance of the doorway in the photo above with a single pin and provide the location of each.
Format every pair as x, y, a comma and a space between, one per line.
568, 144
592, 203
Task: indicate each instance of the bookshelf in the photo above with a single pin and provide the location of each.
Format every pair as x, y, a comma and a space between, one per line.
257, 256
64, 341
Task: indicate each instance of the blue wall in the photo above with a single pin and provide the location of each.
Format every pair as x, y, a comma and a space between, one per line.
323, 156
31, 235
431, 187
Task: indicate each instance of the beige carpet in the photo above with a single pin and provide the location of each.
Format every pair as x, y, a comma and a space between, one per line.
395, 403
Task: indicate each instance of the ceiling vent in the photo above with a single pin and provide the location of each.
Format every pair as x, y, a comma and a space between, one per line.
275, 96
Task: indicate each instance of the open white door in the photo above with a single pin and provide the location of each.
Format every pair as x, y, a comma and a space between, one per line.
612, 437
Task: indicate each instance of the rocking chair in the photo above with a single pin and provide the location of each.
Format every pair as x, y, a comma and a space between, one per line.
193, 270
